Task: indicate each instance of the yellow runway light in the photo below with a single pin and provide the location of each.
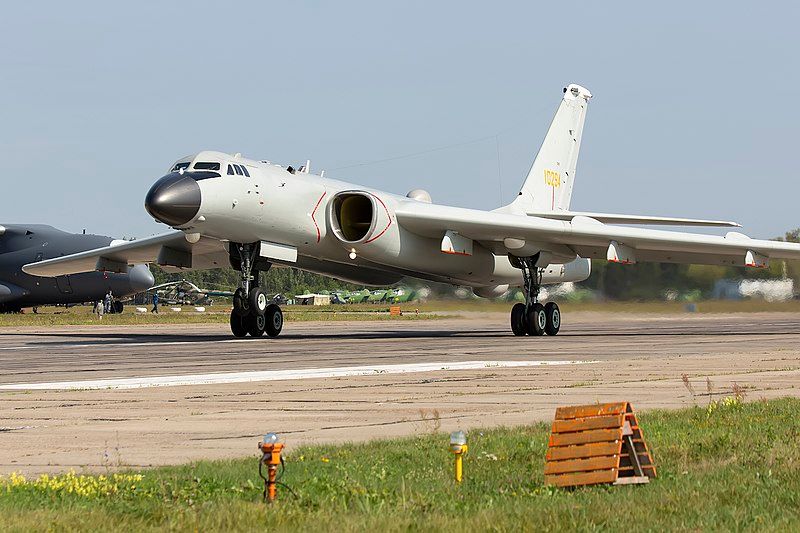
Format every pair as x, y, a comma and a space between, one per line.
458, 445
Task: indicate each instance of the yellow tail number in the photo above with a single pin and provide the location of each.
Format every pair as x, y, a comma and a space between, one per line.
552, 178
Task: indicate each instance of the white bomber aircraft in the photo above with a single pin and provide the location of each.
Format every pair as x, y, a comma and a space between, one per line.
254, 214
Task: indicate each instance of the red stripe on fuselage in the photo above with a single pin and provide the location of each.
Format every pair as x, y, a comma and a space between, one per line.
388, 215
314, 212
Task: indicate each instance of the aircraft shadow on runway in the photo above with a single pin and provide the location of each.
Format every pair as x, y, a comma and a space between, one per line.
101, 338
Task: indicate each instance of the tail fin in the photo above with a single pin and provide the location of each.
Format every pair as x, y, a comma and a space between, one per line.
548, 186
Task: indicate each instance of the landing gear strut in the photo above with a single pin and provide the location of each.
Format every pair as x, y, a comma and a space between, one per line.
252, 313
532, 318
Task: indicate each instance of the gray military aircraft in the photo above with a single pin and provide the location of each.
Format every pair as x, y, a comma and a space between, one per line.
21, 244
254, 214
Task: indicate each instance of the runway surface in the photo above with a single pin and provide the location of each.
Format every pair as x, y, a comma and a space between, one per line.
138, 396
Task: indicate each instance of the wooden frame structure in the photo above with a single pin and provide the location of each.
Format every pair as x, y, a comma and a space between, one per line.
600, 443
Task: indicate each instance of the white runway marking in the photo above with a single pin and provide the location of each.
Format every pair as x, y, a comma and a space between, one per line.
278, 375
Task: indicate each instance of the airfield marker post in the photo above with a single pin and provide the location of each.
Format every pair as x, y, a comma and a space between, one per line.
271, 450
458, 445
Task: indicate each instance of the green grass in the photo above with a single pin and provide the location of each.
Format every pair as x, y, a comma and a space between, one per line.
82, 315
654, 307
736, 467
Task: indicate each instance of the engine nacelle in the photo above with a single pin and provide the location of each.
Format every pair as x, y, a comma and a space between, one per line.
577, 270
365, 224
490, 291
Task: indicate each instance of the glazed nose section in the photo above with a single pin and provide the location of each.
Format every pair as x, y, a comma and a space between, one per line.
141, 278
174, 199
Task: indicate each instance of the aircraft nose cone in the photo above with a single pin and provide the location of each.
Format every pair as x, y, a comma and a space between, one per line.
174, 199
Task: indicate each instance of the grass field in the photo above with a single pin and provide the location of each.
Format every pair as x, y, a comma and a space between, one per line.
733, 467
82, 315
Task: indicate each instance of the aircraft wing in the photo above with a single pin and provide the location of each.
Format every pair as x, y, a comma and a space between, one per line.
589, 238
608, 218
172, 251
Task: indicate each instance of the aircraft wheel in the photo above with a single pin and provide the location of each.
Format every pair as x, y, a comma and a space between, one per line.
241, 305
117, 307
518, 319
256, 324
537, 320
238, 326
274, 319
258, 301
553, 314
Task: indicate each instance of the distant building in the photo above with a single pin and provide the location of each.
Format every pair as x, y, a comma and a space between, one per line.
313, 299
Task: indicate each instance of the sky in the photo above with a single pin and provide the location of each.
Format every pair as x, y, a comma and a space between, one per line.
694, 111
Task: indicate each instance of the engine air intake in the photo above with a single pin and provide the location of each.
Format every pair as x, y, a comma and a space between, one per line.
353, 216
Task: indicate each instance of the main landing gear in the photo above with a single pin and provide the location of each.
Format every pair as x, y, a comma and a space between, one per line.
532, 318
252, 313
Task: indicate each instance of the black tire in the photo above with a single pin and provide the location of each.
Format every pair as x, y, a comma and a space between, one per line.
274, 318
241, 305
537, 320
553, 314
117, 307
258, 301
238, 326
518, 319
255, 324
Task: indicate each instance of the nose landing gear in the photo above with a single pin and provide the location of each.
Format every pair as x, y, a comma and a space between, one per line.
252, 313
532, 318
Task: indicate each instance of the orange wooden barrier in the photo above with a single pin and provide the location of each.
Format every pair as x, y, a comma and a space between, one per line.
600, 443
395, 310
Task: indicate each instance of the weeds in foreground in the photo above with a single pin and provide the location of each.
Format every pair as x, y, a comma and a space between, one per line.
688, 385
83, 486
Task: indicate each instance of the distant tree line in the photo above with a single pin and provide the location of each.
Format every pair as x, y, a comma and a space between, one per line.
276, 280
642, 281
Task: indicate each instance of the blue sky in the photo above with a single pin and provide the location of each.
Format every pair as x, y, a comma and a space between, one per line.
694, 110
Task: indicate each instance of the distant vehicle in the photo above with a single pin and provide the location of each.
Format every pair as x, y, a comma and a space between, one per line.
401, 295
358, 297
377, 296
22, 244
280, 299
338, 298
185, 292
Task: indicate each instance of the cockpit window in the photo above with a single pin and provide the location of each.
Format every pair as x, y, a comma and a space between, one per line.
244, 169
206, 165
238, 170
183, 165
230, 170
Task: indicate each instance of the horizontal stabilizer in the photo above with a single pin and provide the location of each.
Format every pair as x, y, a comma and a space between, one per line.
608, 218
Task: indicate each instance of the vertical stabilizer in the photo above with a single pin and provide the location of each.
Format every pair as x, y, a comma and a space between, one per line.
549, 184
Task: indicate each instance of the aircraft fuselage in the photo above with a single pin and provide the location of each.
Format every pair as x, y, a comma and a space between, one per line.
336, 228
21, 244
